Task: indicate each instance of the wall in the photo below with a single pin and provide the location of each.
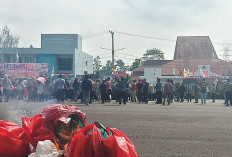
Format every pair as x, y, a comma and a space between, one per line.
50, 59
80, 60
61, 41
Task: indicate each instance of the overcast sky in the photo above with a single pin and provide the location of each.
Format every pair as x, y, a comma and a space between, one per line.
155, 18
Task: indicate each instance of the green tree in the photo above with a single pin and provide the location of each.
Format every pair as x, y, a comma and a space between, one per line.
97, 65
7, 40
153, 54
136, 64
107, 69
120, 66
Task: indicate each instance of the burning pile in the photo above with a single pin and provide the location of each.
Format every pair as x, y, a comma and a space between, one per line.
61, 130
57, 123
13, 140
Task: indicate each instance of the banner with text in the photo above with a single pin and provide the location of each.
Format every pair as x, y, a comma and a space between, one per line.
25, 69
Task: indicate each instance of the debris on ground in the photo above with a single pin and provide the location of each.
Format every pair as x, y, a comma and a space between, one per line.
56, 123
61, 131
95, 140
13, 139
45, 149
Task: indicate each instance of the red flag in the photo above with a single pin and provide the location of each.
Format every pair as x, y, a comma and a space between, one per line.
180, 73
155, 77
193, 74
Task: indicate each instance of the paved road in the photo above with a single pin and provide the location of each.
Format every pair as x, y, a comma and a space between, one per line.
182, 129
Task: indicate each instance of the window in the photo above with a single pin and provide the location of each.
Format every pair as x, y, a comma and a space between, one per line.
65, 63
86, 62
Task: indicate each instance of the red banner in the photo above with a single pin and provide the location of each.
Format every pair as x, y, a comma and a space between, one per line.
25, 69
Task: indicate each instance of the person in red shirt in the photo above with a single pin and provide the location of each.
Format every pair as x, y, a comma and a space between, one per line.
139, 87
168, 88
109, 88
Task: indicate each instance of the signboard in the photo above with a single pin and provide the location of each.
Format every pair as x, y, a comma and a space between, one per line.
151, 74
204, 71
25, 69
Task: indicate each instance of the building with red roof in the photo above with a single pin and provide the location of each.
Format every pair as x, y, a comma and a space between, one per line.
190, 53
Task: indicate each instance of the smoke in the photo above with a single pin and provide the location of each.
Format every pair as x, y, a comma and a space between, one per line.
3, 113
15, 109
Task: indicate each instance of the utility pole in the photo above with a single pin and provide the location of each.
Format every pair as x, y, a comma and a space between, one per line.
113, 67
112, 34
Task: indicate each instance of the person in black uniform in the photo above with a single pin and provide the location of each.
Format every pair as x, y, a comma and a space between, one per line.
182, 91
158, 91
103, 90
145, 91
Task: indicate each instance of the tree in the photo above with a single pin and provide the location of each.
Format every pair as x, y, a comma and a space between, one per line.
97, 65
7, 40
153, 54
120, 66
107, 69
136, 64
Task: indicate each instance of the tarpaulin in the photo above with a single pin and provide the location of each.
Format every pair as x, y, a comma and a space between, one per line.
14, 142
89, 142
121, 74
42, 126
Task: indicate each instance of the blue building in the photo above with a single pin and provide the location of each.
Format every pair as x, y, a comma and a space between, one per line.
61, 51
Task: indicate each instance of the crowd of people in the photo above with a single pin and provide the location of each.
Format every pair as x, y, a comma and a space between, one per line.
105, 90
85, 90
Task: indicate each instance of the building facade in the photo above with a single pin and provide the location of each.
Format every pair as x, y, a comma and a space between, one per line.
194, 54
61, 51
